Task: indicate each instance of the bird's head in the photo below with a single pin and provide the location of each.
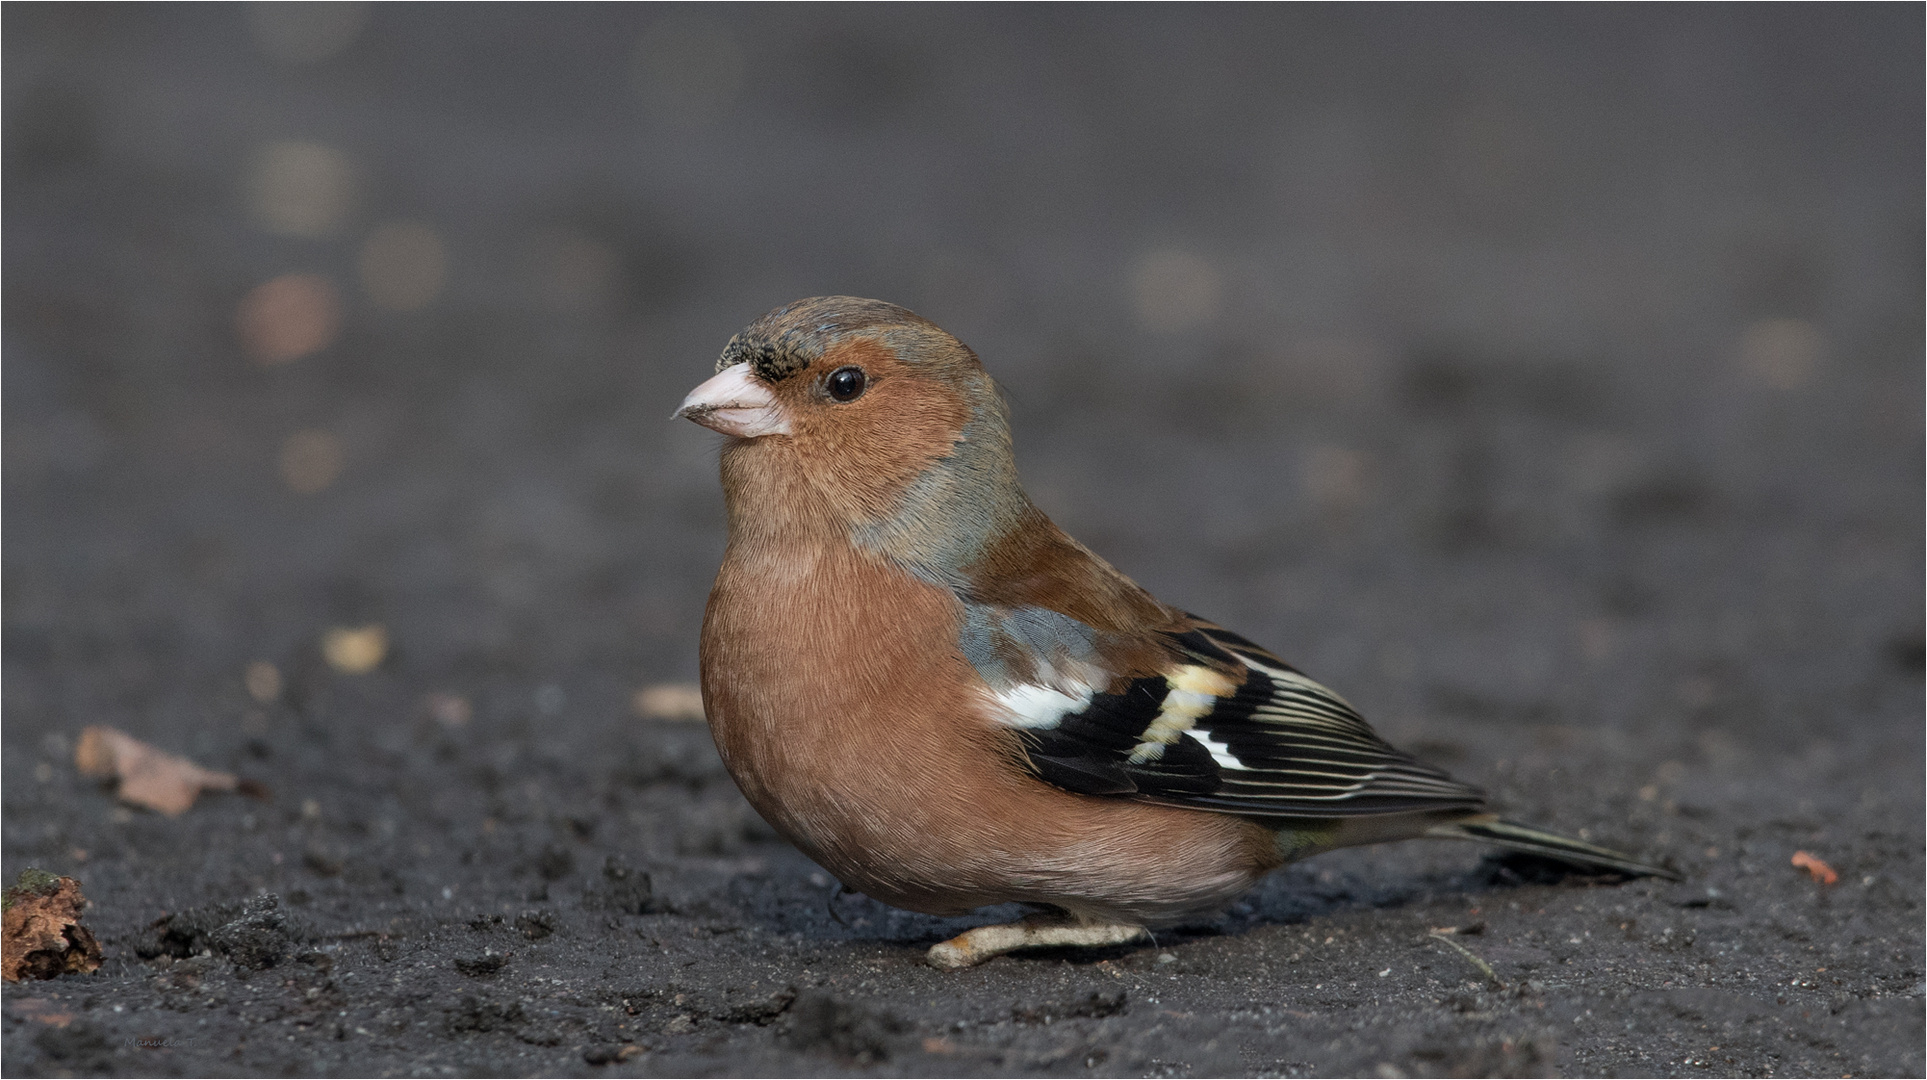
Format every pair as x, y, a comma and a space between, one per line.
891, 423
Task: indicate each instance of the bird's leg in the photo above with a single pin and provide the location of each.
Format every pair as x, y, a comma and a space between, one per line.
973, 947
836, 894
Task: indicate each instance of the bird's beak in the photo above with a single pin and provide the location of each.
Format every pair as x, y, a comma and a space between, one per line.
737, 403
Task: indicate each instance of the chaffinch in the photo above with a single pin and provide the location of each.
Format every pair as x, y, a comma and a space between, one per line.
940, 697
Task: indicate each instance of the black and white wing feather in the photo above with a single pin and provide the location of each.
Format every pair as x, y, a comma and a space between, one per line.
1229, 727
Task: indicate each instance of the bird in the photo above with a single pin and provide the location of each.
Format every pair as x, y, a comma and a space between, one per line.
939, 696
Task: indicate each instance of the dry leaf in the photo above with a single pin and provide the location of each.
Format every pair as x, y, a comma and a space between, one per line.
356, 650
42, 937
148, 776
670, 701
1814, 865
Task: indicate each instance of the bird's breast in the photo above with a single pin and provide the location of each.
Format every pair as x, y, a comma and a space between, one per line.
838, 701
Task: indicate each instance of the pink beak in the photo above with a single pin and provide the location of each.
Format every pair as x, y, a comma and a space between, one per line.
735, 402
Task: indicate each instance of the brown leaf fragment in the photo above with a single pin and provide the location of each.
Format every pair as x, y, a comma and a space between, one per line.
1813, 864
148, 776
41, 937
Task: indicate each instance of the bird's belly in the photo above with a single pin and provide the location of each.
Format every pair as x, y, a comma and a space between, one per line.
863, 739
943, 821
943, 847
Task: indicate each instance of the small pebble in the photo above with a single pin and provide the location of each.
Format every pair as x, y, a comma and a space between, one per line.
670, 701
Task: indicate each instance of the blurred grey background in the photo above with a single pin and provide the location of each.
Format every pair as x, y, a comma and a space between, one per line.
1438, 346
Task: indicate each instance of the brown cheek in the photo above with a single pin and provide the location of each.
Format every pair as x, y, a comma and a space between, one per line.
869, 451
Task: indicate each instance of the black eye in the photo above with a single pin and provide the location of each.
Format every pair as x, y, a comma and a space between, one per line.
845, 384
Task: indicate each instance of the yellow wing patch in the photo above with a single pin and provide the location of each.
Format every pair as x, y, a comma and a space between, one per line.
1194, 692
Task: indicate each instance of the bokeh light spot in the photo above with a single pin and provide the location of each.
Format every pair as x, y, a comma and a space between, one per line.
1175, 290
449, 710
288, 318
1337, 479
311, 461
402, 266
263, 681
1782, 353
687, 71
355, 650
574, 273
305, 33
299, 188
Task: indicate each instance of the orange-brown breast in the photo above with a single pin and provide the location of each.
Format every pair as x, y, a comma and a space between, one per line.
845, 711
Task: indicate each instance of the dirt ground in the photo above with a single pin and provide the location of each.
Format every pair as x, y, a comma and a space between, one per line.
1549, 382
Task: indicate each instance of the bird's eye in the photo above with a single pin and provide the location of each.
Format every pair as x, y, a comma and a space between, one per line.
845, 384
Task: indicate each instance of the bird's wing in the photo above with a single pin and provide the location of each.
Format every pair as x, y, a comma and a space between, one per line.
1224, 726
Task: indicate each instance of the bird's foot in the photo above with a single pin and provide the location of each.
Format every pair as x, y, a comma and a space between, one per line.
973, 947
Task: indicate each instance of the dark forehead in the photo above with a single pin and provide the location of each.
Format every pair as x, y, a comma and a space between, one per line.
789, 339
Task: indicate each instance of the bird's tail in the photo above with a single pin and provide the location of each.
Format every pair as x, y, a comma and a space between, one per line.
1549, 845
